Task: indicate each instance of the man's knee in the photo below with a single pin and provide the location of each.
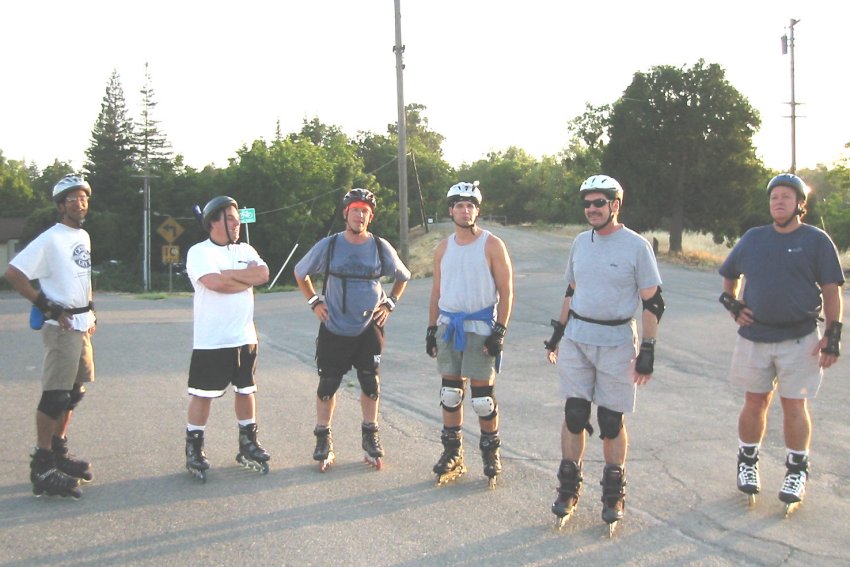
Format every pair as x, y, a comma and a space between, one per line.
577, 415
451, 395
54, 403
77, 393
484, 403
328, 385
370, 383
610, 422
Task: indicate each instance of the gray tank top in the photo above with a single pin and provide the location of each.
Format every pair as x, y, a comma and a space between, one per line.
466, 283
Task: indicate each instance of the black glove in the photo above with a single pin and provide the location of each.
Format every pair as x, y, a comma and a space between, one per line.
496, 340
557, 335
731, 304
646, 357
833, 339
51, 309
431, 340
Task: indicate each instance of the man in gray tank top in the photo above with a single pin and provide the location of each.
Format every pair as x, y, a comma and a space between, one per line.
611, 271
471, 302
792, 273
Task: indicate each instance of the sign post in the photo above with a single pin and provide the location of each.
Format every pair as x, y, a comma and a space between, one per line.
246, 217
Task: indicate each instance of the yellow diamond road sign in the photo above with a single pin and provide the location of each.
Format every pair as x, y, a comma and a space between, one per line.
170, 230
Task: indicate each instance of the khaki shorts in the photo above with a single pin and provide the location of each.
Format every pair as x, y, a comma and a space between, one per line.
471, 363
68, 358
792, 366
602, 375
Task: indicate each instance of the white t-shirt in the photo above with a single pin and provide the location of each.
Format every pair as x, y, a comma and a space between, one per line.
60, 259
222, 320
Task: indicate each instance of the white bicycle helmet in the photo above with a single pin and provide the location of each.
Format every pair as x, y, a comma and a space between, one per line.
68, 183
602, 184
464, 191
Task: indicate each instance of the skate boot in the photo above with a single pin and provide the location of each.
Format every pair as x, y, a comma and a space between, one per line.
48, 479
794, 486
196, 460
489, 446
748, 473
569, 477
372, 445
251, 454
613, 496
450, 464
66, 463
324, 452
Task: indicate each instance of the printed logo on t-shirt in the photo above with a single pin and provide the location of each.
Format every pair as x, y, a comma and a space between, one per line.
795, 250
81, 256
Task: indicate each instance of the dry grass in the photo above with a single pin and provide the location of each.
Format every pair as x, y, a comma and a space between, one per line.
422, 248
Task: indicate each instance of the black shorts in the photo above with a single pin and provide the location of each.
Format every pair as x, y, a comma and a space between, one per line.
210, 371
336, 354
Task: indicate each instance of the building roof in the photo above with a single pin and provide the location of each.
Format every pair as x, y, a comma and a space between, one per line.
11, 229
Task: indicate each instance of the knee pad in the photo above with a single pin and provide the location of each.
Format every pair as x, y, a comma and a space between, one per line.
53, 403
370, 383
451, 395
76, 395
483, 402
328, 385
610, 422
577, 415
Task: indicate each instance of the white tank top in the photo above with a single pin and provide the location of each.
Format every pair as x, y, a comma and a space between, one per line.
466, 283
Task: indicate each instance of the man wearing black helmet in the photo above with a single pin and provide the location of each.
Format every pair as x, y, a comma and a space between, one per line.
471, 303
60, 259
611, 272
791, 277
352, 310
223, 272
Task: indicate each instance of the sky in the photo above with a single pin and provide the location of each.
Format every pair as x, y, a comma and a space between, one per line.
492, 73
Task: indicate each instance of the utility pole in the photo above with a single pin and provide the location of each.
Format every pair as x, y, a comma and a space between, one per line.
788, 45
403, 228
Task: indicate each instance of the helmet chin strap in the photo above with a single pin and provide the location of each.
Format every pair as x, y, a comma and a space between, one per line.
797, 213
606, 223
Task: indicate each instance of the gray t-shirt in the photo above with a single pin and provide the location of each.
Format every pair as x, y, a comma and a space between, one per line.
608, 273
353, 287
783, 274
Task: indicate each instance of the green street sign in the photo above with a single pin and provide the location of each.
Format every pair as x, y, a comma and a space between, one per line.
247, 216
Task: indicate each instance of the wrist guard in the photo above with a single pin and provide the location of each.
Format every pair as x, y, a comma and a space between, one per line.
431, 340
50, 308
496, 341
557, 335
314, 302
731, 304
389, 302
833, 339
646, 357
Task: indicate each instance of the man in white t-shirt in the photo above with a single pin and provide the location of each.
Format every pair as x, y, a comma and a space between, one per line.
60, 259
223, 272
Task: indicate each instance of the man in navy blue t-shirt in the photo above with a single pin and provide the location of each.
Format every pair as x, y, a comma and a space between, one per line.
792, 274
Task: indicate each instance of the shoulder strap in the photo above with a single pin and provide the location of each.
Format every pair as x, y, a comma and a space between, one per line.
328, 263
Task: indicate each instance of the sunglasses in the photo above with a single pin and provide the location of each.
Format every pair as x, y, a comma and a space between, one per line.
596, 203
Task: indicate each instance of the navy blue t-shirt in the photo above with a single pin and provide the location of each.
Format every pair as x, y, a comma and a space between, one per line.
783, 274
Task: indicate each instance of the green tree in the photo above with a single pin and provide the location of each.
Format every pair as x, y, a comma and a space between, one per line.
16, 191
681, 145
116, 207
154, 150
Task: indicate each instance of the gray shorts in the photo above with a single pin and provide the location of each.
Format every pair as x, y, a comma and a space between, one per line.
471, 363
792, 366
68, 358
602, 375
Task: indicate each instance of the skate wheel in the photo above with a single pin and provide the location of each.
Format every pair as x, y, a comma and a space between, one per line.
611, 527
326, 464
491, 483
264, 468
560, 522
790, 508
751, 499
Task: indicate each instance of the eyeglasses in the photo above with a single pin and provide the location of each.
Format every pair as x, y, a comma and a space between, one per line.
81, 199
596, 203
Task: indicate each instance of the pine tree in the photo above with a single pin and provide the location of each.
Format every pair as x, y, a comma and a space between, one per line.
153, 146
112, 154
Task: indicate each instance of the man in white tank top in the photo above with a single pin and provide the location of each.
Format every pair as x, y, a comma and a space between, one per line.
471, 302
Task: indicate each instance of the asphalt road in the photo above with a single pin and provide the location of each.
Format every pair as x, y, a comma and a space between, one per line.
144, 509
